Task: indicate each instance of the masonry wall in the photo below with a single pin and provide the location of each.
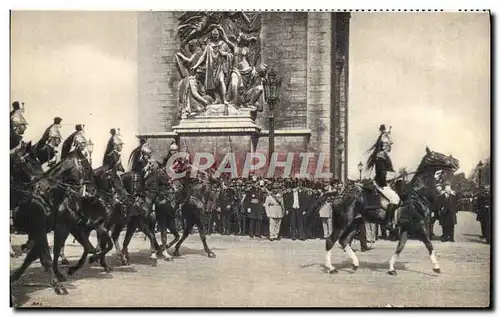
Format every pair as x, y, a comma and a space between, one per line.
284, 39
157, 73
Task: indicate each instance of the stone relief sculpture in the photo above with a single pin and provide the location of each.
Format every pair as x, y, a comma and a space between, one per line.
217, 61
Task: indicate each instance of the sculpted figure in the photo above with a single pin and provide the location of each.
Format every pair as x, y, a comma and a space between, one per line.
246, 85
217, 60
192, 96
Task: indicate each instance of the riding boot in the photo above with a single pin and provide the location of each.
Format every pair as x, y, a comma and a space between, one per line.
389, 217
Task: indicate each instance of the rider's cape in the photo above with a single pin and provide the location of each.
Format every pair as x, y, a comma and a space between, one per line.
134, 157
67, 144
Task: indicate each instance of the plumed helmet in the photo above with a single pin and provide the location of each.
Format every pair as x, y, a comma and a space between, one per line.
173, 147
117, 139
79, 127
54, 132
18, 118
145, 149
80, 138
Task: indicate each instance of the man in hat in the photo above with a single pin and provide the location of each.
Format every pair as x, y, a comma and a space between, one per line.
482, 208
379, 158
447, 203
274, 210
68, 143
112, 157
45, 135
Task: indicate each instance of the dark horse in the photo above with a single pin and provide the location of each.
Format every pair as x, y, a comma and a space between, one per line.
193, 194
138, 215
53, 204
417, 199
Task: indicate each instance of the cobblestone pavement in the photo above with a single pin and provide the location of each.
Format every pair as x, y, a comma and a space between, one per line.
255, 272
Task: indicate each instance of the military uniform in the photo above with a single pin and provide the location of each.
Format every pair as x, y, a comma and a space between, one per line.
112, 156
253, 204
17, 127
68, 143
47, 151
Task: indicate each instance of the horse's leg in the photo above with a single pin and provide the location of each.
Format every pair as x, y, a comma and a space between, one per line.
173, 229
162, 219
203, 237
401, 244
428, 244
105, 245
46, 262
61, 233
31, 256
185, 234
154, 246
329, 243
115, 236
131, 226
346, 240
64, 260
83, 239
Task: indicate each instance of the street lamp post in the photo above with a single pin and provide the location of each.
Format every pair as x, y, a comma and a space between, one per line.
272, 85
340, 150
90, 149
479, 173
360, 169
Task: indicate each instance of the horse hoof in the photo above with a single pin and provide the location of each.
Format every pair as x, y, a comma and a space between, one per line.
211, 255
176, 253
355, 267
154, 262
108, 269
393, 273
333, 271
64, 261
60, 290
436, 270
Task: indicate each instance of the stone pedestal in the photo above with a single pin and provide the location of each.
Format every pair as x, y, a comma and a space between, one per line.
219, 135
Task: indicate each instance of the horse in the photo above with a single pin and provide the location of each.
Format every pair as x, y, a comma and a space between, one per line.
353, 207
109, 201
193, 195
138, 215
52, 205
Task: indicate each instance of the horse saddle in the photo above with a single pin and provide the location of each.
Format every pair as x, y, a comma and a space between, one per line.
371, 197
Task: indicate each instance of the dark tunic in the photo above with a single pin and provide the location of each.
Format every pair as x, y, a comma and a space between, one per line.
254, 200
447, 210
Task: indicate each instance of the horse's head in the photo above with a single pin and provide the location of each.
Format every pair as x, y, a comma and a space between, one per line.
75, 170
434, 163
438, 161
24, 164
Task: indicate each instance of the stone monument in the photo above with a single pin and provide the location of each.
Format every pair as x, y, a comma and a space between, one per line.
201, 82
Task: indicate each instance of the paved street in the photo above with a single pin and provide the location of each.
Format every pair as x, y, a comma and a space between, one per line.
257, 272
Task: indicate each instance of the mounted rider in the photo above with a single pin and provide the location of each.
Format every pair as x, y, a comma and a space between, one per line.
18, 125
69, 142
379, 158
46, 148
179, 164
112, 157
